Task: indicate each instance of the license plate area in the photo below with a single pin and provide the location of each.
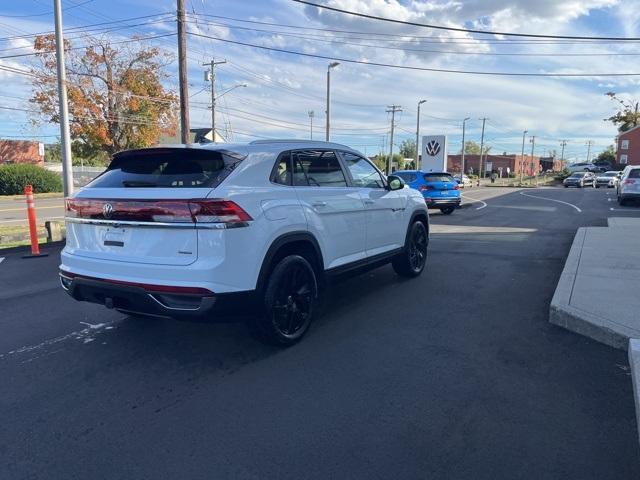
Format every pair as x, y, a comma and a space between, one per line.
114, 237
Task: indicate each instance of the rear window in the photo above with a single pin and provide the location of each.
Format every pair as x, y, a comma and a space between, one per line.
407, 177
635, 173
168, 168
438, 177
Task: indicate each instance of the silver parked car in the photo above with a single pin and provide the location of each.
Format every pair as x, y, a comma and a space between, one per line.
608, 179
580, 179
629, 187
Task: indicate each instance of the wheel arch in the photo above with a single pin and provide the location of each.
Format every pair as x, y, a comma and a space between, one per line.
417, 215
301, 243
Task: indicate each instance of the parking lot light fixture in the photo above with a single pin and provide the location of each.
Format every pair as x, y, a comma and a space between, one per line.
331, 65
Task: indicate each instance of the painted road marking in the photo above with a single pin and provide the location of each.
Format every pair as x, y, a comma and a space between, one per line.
21, 209
484, 204
1, 259
551, 200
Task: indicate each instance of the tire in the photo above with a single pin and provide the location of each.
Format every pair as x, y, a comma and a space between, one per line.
411, 262
448, 210
621, 201
290, 299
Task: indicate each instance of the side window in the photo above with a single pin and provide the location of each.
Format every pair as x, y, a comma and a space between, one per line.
362, 172
282, 170
407, 177
317, 168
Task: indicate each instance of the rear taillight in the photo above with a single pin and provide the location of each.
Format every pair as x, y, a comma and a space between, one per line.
629, 182
457, 187
164, 211
217, 211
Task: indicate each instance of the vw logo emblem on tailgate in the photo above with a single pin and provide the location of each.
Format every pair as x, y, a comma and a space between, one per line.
433, 148
107, 210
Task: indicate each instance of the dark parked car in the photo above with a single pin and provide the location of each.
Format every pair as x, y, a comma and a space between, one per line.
580, 179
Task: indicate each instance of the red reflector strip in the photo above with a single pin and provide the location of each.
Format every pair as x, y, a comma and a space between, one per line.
202, 292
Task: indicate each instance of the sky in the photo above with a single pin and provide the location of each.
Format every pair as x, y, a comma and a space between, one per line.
282, 88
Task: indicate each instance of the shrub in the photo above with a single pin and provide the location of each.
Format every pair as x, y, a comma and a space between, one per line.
13, 178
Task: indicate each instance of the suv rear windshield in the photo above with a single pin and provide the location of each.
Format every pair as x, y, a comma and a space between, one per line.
168, 168
635, 173
438, 177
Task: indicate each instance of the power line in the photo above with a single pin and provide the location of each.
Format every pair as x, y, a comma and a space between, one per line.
411, 67
465, 30
46, 13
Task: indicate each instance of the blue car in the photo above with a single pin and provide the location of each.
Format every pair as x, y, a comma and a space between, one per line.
440, 190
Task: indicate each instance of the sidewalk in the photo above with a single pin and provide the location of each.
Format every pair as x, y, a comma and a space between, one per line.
597, 294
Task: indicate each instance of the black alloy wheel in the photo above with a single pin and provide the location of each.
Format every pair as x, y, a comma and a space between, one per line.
289, 301
411, 262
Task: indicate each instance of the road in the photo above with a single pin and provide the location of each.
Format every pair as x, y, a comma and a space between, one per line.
14, 211
456, 374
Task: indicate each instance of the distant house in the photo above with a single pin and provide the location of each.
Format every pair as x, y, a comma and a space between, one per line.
21, 151
514, 164
197, 135
628, 147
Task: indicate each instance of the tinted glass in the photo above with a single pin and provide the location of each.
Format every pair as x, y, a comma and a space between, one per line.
407, 177
578, 175
635, 173
316, 168
362, 172
282, 171
167, 168
611, 174
438, 177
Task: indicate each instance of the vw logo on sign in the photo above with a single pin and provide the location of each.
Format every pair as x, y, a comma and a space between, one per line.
433, 148
107, 210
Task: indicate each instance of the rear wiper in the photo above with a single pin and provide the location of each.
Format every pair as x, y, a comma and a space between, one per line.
135, 183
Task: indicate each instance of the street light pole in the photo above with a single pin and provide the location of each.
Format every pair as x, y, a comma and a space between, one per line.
331, 65
524, 134
212, 78
464, 123
62, 102
563, 144
481, 149
533, 144
418, 134
311, 114
392, 109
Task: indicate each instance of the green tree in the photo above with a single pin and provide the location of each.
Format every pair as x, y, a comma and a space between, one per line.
627, 115
608, 155
473, 148
52, 153
408, 148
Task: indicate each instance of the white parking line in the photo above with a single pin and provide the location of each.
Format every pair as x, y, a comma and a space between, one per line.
551, 200
484, 204
1, 259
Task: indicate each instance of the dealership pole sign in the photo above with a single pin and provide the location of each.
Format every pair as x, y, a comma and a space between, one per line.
434, 153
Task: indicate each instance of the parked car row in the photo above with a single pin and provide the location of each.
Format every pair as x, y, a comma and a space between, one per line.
217, 229
595, 167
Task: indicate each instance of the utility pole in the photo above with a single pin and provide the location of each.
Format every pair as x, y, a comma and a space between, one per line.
532, 140
67, 171
418, 134
331, 65
392, 109
464, 123
524, 134
481, 151
589, 144
182, 75
311, 114
211, 76
563, 143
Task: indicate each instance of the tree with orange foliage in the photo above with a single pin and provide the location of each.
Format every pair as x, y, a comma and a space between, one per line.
116, 97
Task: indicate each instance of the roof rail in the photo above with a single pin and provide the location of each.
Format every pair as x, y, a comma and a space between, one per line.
296, 140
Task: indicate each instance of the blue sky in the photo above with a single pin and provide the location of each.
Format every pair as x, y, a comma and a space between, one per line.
282, 88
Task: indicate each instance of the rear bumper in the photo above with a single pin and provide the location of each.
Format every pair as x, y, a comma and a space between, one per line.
156, 300
443, 202
630, 196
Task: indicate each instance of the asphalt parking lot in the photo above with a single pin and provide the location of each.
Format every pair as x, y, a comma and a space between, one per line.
456, 374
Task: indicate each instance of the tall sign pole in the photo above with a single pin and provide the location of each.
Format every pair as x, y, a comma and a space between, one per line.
185, 136
416, 166
67, 171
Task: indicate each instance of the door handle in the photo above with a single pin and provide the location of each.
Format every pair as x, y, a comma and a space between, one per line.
368, 201
319, 204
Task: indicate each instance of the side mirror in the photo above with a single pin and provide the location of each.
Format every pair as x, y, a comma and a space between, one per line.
394, 183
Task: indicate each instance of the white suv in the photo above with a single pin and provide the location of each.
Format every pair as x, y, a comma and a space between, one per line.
209, 230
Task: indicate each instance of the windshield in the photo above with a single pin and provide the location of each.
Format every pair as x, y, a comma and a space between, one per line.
168, 168
609, 174
578, 175
438, 177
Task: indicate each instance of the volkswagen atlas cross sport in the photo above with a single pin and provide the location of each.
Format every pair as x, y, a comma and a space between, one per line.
208, 230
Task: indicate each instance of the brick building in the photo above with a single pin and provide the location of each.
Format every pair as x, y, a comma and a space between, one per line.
515, 163
628, 147
21, 151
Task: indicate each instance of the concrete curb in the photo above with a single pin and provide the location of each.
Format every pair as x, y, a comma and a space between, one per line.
634, 363
589, 324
